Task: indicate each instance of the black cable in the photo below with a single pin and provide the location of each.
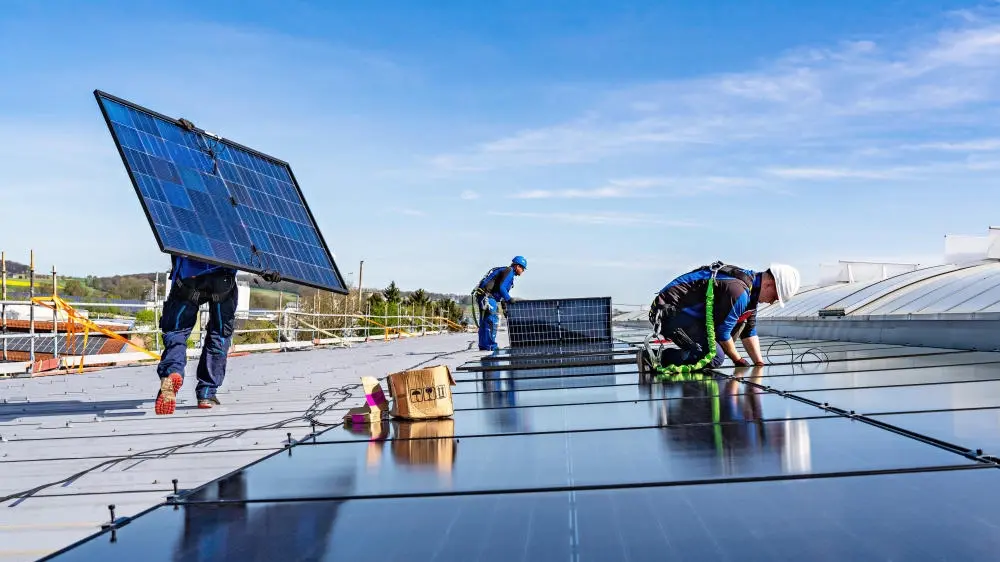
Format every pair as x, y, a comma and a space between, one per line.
877, 369
342, 393
564, 365
554, 356
615, 486
728, 367
976, 455
814, 351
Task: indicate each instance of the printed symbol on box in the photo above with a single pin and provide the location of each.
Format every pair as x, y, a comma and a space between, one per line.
440, 390
429, 393
416, 396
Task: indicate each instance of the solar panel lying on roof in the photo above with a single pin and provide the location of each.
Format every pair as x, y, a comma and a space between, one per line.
559, 321
214, 200
790, 461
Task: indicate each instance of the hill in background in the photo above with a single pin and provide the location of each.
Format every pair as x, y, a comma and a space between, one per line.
264, 295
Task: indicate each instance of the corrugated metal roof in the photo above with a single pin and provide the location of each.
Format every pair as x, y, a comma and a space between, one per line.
53, 427
971, 288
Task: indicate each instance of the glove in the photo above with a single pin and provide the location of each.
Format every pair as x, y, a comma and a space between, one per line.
741, 363
271, 276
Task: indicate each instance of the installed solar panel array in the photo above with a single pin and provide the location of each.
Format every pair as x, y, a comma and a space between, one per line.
871, 453
214, 200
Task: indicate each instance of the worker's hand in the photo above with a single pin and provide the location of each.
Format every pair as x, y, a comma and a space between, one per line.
741, 362
271, 276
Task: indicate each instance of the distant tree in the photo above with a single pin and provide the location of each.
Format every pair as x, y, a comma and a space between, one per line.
145, 317
391, 293
418, 298
15, 268
376, 299
74, 288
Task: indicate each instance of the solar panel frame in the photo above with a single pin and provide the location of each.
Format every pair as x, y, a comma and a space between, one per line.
340, 288
548, 322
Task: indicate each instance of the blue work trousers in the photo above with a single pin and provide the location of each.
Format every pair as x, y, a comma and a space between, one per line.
488, 320
177, 322
687, 355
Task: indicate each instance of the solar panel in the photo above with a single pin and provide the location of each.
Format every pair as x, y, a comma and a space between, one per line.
559, 321
659, 465
211, 199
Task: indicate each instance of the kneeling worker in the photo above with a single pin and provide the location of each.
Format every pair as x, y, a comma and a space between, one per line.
678, 312
495, 287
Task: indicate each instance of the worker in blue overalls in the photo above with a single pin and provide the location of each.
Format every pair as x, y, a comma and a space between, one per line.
194, 283
495, 288
678, 312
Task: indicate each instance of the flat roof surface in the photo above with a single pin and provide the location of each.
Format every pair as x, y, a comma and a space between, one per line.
835, 450
56, 426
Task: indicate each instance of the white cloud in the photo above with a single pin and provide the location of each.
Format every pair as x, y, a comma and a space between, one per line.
858, 90
604, 218
410, 212
976, 145
832, 173
634, 264
644, 187
469, 195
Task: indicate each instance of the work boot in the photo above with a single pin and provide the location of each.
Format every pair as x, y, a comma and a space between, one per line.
166, 399
207, 403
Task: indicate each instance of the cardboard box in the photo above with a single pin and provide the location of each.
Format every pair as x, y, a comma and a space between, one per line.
373, 393
422, 393
363, 415
428, 443
375, 408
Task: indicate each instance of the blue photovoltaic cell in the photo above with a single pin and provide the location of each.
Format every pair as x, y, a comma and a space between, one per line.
188, 196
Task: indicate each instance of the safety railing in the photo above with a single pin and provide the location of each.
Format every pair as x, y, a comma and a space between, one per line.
68, 326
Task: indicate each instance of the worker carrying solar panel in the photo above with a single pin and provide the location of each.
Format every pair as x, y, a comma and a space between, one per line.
492, 291
678, 311
194, 283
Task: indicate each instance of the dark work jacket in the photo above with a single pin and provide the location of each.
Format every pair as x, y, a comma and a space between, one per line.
737, 292
498, 283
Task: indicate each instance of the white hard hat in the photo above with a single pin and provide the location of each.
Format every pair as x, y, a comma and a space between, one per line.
786, 281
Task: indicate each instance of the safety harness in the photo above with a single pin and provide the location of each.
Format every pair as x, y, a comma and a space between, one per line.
668, 372
190, 294
483, 288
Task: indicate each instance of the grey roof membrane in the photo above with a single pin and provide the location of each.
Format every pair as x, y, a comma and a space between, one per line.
52, 427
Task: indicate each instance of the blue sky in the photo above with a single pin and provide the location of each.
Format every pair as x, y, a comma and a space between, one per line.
615, 145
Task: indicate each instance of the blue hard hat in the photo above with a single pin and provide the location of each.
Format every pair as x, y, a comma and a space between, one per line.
519, 260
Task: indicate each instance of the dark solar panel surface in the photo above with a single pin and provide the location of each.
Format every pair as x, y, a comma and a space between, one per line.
67, 346
215, 200
558, 322
747, 464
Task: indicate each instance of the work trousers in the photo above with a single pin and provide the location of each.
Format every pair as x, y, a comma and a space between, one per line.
488, 320
177, 322
688, 354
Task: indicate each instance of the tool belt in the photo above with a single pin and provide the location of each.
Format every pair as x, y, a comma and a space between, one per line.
212, 288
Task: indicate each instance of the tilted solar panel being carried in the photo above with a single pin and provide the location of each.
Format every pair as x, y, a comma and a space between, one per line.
211, 199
